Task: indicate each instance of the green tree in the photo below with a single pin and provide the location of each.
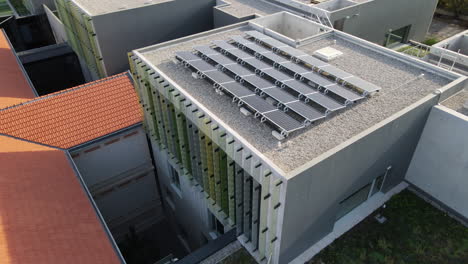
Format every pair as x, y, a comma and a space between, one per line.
458, 7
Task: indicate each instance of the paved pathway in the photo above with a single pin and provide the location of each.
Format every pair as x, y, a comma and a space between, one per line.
445, 28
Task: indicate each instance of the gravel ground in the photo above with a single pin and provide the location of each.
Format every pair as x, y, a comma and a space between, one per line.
242, 8
457, 101
401, 85
96, 7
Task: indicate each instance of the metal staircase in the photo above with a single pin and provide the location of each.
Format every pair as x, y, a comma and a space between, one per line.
451, 58
320, 16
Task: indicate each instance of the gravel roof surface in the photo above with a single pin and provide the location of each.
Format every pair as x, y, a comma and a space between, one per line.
98, 7
401, 84
457, 101
242, 8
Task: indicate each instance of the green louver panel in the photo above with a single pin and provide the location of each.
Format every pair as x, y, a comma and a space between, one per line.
224, 182
255, 212
239, 181
247, 207
183, 141
213, 161
174, 130
231, 189
265, 197
274, 216
217, 174
81, 35
204, 162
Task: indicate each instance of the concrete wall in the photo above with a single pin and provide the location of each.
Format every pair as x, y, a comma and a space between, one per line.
221, 18
391, 15
186, 206
119, 174
58, 29
121, 32
313, 196
440, 163
36, 6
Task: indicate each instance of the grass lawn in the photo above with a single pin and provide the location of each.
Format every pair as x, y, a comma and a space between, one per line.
415, 232
413, 51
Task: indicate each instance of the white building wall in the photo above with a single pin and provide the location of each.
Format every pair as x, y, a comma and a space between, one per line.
440, 163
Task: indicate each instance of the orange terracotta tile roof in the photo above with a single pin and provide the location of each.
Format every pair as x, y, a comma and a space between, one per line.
75, 116
14, 88
45, 215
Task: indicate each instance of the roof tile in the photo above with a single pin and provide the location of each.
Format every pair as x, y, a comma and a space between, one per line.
14, 88
45, 216
75, 116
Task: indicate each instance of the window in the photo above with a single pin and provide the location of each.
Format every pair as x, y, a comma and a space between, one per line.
175, 179
395, 37
353, 201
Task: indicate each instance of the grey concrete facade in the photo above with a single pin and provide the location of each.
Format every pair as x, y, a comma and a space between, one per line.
120, 32
361, 19
439, 166
118, 167
306, 199
357, 18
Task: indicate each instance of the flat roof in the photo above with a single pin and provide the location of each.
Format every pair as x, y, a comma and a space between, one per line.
45, 214
243, 8
76, 115
402, 84
457, 102
14, 87
100, 7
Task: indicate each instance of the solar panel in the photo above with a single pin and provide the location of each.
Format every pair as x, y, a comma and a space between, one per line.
299, 87
257, 35
217, 77
221, 59
282, 120
241, 40
207, 51
316, 79
366, 86
272, 74
240, 54
326, 102
313, 61
257, 64
187, 56
238, 70
334, 71
277, 75
306, 111
348, 95
258, 104
292, 52
237, 90
276, 59
279, 95
223, 45
294, 68
275, 44
201, 65
258, 49
258, 82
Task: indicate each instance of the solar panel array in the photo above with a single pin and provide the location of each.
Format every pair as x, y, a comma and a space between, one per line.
280, 85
